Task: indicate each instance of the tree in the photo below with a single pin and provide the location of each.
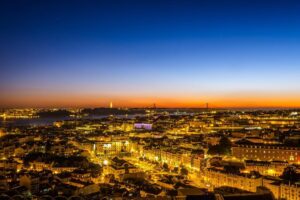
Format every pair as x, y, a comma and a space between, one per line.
223, 148
172, 193
165, 166
184, 171
95, 169
290, 174
175, 170
225, 142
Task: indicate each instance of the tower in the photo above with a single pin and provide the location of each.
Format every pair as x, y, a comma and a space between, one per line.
111, 105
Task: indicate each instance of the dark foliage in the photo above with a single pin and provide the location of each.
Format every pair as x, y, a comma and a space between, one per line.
223, 148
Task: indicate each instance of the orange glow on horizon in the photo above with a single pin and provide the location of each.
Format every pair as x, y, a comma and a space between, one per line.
188, 101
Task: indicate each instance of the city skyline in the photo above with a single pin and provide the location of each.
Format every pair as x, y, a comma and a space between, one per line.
231, 54
149, 99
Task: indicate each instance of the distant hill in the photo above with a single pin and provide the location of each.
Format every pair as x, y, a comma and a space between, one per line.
56, 113
111, 111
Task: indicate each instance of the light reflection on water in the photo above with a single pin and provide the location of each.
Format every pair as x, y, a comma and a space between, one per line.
51, 120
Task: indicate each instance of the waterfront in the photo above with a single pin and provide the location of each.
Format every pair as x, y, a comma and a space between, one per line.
48, 121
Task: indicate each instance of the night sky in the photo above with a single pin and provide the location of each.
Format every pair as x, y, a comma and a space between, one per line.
185, 53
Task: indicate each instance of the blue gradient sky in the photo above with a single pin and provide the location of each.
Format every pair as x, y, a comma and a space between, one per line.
134, 53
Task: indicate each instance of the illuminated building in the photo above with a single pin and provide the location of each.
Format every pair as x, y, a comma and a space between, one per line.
246, 182
144, 126
120, 167
267, 168
266, 152
250, 183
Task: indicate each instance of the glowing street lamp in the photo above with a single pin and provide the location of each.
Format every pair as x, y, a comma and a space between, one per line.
105, 162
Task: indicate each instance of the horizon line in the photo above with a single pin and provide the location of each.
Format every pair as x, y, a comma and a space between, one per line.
157, 107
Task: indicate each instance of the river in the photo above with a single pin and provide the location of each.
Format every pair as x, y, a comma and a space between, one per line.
49, 121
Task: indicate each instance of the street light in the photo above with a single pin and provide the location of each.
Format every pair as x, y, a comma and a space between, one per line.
105, 162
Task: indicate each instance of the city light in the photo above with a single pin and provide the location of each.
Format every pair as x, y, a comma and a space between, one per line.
105, 162
149, 100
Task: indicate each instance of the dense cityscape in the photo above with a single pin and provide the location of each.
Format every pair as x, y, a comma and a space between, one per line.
152, 153
149, 100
